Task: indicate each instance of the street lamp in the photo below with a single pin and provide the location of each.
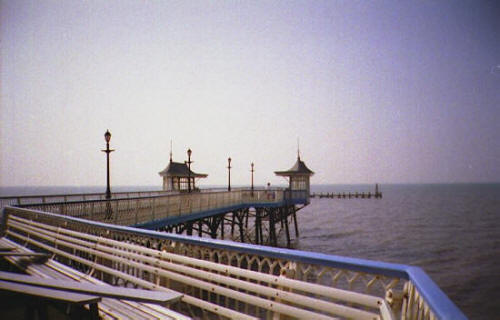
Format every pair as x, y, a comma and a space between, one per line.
189, 169
229, 172
107, 138
252, 170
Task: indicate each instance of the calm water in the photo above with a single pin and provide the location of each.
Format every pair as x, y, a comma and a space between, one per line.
451, 231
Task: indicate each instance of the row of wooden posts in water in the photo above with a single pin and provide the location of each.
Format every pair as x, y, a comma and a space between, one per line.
357, 195
349, 195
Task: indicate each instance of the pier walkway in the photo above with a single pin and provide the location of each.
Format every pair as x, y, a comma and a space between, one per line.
259, 215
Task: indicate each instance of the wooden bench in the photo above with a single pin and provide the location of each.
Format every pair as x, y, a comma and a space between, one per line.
10, 253
70, 298
130, 264
108, 308
88, 288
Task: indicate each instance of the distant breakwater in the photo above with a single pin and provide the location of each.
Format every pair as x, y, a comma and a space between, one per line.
349, 195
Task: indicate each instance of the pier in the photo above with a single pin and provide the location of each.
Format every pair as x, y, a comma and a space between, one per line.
175, 242
250, 215
245, 215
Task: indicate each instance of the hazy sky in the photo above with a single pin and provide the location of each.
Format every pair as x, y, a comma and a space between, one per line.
377, 91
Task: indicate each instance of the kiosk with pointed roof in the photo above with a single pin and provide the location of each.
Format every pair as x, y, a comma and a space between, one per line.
298, 176
177, 176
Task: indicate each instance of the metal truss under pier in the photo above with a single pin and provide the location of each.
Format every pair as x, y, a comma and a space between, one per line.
260, 225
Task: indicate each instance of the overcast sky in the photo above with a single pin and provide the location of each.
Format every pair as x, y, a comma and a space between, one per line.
377, 91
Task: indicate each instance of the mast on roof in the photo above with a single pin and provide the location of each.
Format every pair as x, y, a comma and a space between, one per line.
170, 150
298, 148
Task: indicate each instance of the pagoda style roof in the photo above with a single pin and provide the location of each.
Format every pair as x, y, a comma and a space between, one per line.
299, 168
178, 169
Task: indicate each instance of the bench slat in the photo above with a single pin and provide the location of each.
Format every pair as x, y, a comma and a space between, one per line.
109, 308
52, 294
23, 254
100, 290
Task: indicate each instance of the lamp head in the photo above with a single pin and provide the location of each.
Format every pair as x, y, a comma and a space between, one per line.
107, 136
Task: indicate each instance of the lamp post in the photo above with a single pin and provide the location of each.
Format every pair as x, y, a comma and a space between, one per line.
189, 169
229, 172
107, 138
252, 170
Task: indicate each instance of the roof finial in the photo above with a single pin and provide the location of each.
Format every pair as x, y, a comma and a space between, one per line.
298, 148
170, 150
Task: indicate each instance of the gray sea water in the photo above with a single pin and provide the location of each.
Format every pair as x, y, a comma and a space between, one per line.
452, 231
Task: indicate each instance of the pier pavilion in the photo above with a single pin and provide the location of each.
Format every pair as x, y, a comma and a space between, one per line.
178, 176
298, 176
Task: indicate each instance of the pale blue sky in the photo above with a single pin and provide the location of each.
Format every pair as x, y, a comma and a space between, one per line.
377, 91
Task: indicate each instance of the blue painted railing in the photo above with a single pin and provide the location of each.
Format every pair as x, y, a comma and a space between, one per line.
437, 300
433, 297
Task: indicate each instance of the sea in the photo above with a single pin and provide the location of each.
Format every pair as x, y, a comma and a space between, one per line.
451, 231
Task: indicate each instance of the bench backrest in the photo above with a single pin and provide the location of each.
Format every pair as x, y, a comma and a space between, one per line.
212, 286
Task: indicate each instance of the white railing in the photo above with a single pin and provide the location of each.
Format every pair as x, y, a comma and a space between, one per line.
52, 198
151, 211
400, 291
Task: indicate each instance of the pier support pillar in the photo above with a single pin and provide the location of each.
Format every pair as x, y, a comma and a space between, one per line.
258, 227
272, 229
287, 231
242, 233
232, 225
222, 219
295, 222
247, 213
239, 218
